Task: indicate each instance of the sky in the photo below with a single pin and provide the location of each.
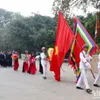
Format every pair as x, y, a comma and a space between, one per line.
25, 7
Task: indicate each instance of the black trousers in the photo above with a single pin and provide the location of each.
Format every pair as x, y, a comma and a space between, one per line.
41, 68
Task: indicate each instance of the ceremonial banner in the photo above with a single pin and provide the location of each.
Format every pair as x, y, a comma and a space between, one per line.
64, 38
81, 37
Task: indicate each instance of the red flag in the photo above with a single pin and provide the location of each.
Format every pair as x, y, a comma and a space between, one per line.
64, 38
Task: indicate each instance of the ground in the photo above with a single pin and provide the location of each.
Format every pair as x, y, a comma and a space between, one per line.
22, 86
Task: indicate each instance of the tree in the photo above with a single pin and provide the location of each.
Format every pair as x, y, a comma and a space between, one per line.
6, 17
66, 6
31, 33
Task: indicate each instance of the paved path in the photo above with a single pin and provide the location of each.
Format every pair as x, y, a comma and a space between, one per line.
19, 86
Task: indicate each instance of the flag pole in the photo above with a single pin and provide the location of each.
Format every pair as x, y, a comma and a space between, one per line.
62, 69
96, 26
92, 73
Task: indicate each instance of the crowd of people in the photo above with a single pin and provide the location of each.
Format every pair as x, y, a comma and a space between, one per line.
29, 65
5, 59
11, 59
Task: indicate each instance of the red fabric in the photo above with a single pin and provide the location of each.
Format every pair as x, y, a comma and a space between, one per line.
32, 69
64, 38
16, 64
78, 48
25, 67
95, 48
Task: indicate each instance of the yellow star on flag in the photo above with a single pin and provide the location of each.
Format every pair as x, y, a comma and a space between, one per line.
56, 50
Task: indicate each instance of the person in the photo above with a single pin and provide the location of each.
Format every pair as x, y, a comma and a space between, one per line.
98, 76
13, 52
39, 63
9, 59
32, 68
4, 59
43, 61
16, 62
26, 62
1, 59
84, 65
40, 66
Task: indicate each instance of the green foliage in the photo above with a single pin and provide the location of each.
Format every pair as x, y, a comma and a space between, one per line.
31, 33
99, 45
